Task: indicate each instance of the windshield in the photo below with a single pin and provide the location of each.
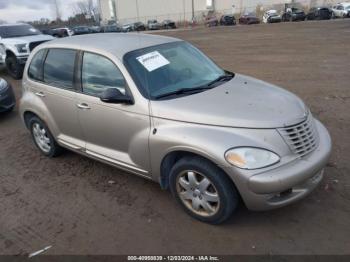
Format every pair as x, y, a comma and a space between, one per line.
168, 68
17, 31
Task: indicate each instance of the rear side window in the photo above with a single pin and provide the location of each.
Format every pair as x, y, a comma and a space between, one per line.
35, 71
59, 68
100, 73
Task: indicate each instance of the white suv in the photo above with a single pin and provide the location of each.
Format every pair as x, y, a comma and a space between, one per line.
16, 43
341, 10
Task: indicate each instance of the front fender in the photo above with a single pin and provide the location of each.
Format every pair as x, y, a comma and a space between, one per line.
12, 49
210, 142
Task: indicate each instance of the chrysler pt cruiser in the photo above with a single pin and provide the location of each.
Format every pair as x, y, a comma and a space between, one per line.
159, 108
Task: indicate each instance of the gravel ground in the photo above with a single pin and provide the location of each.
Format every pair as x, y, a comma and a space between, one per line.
68, 203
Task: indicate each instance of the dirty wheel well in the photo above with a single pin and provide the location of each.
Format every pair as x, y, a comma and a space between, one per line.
9, 53
27, 116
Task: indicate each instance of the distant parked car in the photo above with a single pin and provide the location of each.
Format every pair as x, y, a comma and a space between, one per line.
153, 25
7, 97
211, 21
139, 26
81, 30
341, 10
95, 29
47, 31
62, 32
249, 19
293, 14
168, 24
227, 20
128, 28
112, 29
319, 13
271, 16
18, 40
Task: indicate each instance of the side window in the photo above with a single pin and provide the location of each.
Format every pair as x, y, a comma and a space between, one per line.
100, 73
59, 68
35, 69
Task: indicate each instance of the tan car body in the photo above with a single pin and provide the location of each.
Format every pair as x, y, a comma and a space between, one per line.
146, 137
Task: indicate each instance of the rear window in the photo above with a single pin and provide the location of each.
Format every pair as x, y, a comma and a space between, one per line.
59, 68
35, 71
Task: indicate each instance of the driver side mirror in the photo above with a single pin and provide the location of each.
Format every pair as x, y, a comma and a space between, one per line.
114, 96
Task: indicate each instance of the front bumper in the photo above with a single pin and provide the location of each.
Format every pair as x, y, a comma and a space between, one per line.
275, 20
2, 58
7, 100
287, 183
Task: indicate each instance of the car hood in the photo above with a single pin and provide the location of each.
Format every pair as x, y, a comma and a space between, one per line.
241, 102
27, 39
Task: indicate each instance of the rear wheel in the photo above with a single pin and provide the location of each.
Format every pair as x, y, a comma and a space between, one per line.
14, 68
203, 190
43, 138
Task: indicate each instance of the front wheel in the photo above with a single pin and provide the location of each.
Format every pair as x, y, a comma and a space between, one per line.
203, 190
14, 68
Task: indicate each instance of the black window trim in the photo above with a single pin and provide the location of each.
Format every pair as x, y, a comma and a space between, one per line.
79, 71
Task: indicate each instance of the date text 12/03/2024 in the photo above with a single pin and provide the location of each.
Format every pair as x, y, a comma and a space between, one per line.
173, 258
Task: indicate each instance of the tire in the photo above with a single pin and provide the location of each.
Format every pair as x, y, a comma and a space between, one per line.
14, 68
54, 149
10, 109
216, 194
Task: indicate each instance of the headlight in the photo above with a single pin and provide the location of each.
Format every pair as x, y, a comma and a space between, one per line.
250, 157
2, 49
22, 48
3, 85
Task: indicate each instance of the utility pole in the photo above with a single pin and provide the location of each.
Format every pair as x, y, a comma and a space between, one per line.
57, 10
192, 11
184, 8
137, 11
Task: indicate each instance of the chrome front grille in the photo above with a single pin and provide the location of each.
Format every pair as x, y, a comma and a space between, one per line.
301, 138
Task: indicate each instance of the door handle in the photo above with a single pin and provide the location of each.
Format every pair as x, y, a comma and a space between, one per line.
41, 94
83, 106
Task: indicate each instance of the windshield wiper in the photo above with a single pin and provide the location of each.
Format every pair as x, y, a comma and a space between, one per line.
227, 76
183, 91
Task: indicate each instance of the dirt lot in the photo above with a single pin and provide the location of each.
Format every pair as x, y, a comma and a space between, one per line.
68, 203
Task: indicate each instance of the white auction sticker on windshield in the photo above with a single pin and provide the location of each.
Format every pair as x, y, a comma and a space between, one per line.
153, 61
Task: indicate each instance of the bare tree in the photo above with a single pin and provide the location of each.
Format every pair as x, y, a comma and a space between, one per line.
87, 8
57, 10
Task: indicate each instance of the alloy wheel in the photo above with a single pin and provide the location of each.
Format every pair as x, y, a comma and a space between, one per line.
41, 137
198, 193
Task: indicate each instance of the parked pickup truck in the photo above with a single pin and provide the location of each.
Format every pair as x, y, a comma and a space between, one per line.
16, 43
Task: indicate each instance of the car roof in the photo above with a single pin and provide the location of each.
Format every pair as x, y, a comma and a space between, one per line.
117, 44
15, 24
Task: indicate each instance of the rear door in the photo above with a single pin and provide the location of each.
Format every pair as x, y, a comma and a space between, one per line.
115, 133
55, 87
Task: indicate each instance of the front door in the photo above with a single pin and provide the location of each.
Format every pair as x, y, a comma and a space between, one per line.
115, 133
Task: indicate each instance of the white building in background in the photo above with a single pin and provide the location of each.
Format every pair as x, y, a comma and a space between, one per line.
126, 11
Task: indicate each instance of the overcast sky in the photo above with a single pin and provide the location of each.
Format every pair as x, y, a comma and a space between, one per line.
28, 10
